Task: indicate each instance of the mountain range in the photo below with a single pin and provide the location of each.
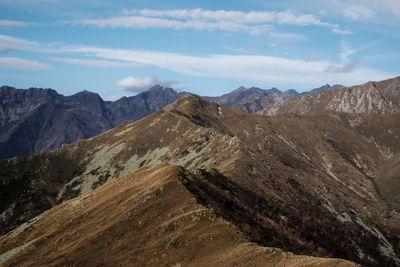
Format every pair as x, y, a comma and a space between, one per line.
371, 97
37, 120
252, 99
305, 179
323, 184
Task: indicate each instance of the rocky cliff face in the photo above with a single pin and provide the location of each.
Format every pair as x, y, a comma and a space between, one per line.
252, 99
316, 184
372, 97
36, 120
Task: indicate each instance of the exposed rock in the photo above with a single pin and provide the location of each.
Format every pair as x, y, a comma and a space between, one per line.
372, 97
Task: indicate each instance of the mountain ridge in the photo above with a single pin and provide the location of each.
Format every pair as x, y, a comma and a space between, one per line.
37, 120
303, 190
151, 206
370, 97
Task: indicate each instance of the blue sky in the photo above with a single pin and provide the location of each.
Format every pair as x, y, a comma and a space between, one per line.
118, 48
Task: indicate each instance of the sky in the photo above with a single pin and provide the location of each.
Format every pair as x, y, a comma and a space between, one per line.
118, 48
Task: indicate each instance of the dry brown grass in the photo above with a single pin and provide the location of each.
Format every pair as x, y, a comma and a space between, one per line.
146, 218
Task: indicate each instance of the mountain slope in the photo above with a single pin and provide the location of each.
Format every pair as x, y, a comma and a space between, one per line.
36, 120
141, 105
151, 207
372, 97
308, 184
252, 99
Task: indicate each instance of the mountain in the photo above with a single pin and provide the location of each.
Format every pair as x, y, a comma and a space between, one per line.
320, 184
252, 99
323, 88
151, 207
36, 120
371, 97
141, 105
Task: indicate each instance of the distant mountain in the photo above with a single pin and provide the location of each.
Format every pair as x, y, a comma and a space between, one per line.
252, 99
141, 105
35, 120
321, 184
372, 97
323, 88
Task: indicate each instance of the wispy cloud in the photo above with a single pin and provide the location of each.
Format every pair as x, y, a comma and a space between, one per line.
15, 23
21, 64
291, 72
261, 68
95, 62
254, 22
11, 43
365, 10
358, 13
347, 64
388, 6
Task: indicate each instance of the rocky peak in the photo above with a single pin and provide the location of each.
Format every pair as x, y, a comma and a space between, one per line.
240, 89
156, 88
371, 97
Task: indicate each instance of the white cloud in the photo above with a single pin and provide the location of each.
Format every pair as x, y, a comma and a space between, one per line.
254, 22
358, 13
289, 72
390, 6
14, 23
274, 70
253, 17
21, 64
95, 62
12, 43
366, 10
137, 84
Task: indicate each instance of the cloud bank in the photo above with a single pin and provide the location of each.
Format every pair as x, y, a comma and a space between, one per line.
274, 70
253, 22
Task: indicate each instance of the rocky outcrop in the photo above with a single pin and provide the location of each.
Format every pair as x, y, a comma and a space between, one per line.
372, 97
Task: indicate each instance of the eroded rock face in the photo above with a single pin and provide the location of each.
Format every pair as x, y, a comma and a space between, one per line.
372, 97
309, 184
